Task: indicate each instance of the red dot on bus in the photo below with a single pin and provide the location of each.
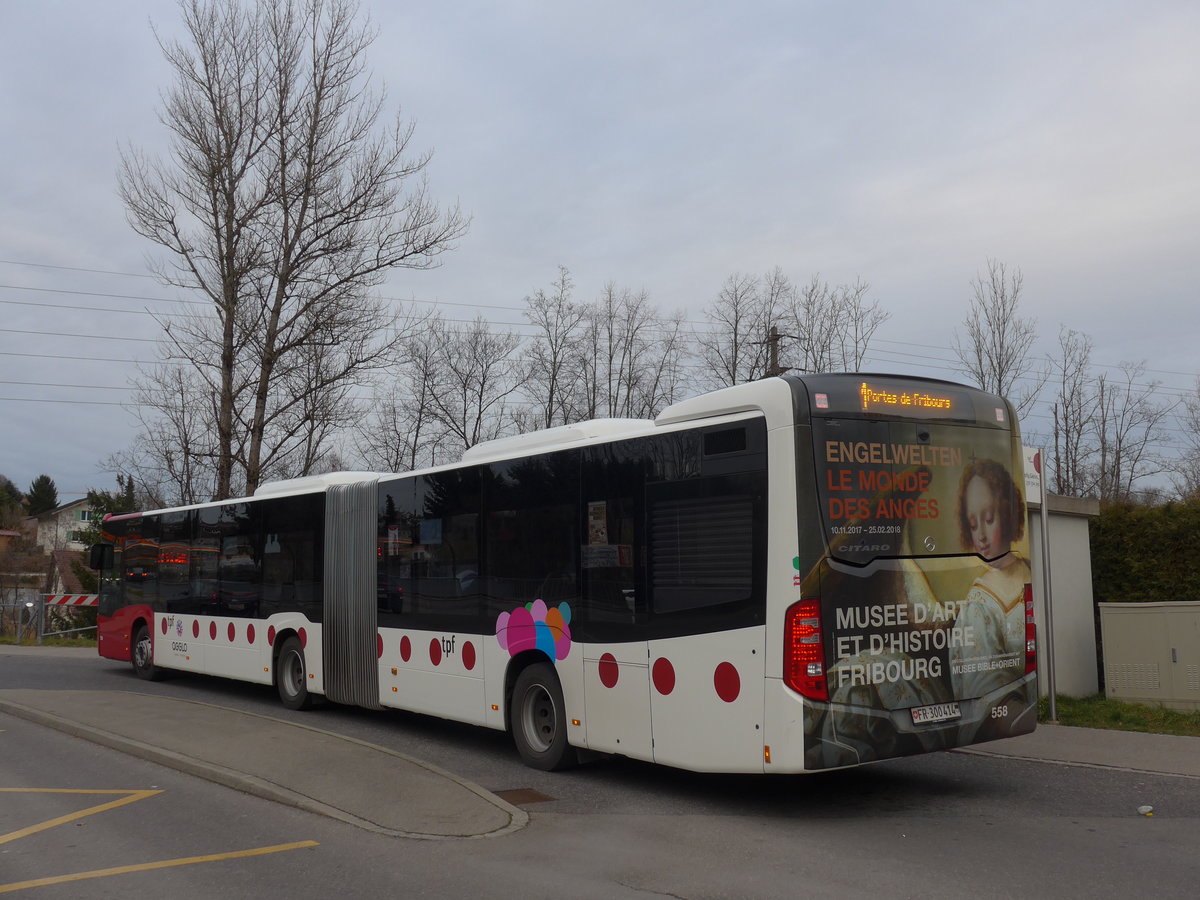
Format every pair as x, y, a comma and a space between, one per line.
609, 671
250, 633
271, 636
195, 629
163, 622
405, 648
435, 651
231, 631
303, 635
212, 631
664, 676
727, 682
378, 645
468, 652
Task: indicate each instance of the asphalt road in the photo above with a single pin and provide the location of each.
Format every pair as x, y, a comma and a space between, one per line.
944, 825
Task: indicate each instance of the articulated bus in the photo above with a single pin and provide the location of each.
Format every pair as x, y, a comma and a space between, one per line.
797, 574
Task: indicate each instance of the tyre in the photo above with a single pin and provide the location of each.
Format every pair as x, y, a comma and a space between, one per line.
143, 655
538, 720
291, 675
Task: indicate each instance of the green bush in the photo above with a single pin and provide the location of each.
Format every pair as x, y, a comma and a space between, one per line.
1146, 553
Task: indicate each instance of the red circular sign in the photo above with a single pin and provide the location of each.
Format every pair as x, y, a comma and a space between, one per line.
664, 676
609, 670
727, 682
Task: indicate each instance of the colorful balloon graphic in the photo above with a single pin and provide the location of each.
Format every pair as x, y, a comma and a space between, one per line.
534, 626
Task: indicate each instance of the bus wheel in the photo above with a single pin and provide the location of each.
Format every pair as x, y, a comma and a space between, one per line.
143, 655
539, 725
291, 676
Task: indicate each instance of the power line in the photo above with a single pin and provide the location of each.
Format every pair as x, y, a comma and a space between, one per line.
13, 262
90, 337
89, 387
75, 402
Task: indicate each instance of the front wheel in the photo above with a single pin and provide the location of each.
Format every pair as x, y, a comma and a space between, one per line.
143, 655
539, 725
291, 675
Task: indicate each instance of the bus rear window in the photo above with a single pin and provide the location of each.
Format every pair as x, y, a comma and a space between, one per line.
891, 488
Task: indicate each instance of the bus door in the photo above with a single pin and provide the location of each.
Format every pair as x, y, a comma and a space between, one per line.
613, 616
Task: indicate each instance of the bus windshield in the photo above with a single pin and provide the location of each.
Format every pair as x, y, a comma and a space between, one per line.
890, 488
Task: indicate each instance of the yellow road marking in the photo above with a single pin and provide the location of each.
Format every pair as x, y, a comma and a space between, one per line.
130, 797
144, 867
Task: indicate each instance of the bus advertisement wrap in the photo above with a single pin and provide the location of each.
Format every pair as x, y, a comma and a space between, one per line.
925, 591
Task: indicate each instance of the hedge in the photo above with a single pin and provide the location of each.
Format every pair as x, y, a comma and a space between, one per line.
1146, 553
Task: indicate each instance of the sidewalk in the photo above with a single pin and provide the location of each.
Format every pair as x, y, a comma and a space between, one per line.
1160, 754
325, 773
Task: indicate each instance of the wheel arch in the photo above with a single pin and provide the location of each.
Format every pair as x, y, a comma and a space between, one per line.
516, 666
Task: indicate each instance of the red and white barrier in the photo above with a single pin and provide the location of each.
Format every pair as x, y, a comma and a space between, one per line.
72, 599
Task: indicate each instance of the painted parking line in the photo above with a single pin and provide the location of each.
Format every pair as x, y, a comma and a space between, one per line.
129, 797
161, 864
126, 798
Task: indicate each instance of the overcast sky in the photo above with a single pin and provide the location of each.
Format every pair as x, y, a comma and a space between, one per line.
659, 145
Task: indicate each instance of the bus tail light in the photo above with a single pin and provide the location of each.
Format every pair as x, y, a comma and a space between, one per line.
804, 650
1030, 632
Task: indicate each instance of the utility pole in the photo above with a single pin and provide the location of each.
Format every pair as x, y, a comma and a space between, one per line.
772, 342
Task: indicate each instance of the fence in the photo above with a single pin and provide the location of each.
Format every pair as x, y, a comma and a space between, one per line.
27, 612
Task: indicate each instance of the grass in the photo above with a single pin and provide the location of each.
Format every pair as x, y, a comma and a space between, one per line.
56, 641
1097, 711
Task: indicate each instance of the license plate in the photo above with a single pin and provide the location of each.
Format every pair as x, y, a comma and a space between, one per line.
938, 712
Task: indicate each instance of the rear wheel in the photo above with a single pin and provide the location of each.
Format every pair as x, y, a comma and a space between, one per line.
143, 655
539, 725
291, 675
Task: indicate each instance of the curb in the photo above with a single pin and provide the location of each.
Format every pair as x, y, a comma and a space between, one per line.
261, 787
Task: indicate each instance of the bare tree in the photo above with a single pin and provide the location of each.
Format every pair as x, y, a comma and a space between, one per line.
995, 353
629, 357
402, 430
477, 372
284, 203
831, 326
733, 348
1185, 471
550, 356
1128, 431
1106, 430
1074, 415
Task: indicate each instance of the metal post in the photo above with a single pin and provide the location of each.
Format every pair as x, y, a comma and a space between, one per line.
28, 624
1046, 593
41, 610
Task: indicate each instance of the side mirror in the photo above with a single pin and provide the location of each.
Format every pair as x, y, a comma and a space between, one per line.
100, 556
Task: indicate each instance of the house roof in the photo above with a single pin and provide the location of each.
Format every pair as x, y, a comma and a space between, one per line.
58, 510
66, 571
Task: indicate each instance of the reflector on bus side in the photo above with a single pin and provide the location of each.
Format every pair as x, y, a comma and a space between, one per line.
804, 650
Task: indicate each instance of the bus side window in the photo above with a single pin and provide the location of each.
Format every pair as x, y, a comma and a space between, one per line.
445, 573
613, 486
532, 541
